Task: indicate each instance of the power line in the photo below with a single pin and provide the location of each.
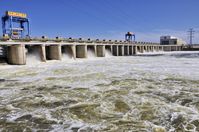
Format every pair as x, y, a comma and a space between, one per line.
191, 35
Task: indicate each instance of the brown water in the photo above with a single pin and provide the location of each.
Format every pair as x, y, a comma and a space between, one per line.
138, 94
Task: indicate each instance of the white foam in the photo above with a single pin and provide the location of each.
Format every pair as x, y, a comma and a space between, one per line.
33, 57
67, 58
108, 53
91, 54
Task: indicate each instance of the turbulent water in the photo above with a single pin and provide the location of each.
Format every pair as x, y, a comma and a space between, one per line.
152, 92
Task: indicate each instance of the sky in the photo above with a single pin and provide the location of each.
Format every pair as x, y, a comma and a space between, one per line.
108, 19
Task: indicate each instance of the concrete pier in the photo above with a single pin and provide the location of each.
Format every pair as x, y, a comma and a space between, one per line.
81, 51
54, 52
16, 55
73, 48
100, 50
43, 53
134, 50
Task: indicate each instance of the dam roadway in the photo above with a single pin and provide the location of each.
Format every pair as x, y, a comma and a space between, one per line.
16, 51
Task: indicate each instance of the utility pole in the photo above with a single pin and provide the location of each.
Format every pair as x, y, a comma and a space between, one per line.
191, 35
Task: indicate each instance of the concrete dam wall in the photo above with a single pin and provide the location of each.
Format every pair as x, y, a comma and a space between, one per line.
15, 53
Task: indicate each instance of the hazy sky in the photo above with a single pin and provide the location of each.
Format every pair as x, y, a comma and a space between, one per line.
109, 19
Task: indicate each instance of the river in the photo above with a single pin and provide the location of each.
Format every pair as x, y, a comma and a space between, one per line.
156, 92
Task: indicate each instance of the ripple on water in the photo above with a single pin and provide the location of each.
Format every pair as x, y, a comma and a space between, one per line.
118, 95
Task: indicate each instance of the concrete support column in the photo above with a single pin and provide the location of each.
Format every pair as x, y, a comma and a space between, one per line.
163, 48
43, 53
73, 48
115, 50
54, 52
128, 52
95, 50
157, 48
81, 51
152, 48
147, 48
134, 50
16, 55
100, 50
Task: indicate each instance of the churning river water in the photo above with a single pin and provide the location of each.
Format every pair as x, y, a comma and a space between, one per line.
145, 93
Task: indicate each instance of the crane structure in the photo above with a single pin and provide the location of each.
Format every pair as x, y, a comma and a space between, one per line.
130, 37
15, 25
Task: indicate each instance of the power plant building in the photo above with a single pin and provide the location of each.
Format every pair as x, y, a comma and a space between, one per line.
169, 40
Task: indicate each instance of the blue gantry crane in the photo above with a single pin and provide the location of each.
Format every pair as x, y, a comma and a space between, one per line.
15, 25
130, 37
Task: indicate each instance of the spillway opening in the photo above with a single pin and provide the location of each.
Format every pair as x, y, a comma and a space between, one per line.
3, 54
160, 49
173, 48
138, 49
120, 50
130, 50
67, 52
47, 52
91, 51
115, 50
145, 50
126, 50
108, 51
33, 54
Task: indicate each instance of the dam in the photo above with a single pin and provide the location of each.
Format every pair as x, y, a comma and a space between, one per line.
16, 44
15, 51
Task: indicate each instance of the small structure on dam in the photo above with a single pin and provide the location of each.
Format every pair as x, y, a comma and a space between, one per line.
16, 44
169, 40
130, 37
15, 25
